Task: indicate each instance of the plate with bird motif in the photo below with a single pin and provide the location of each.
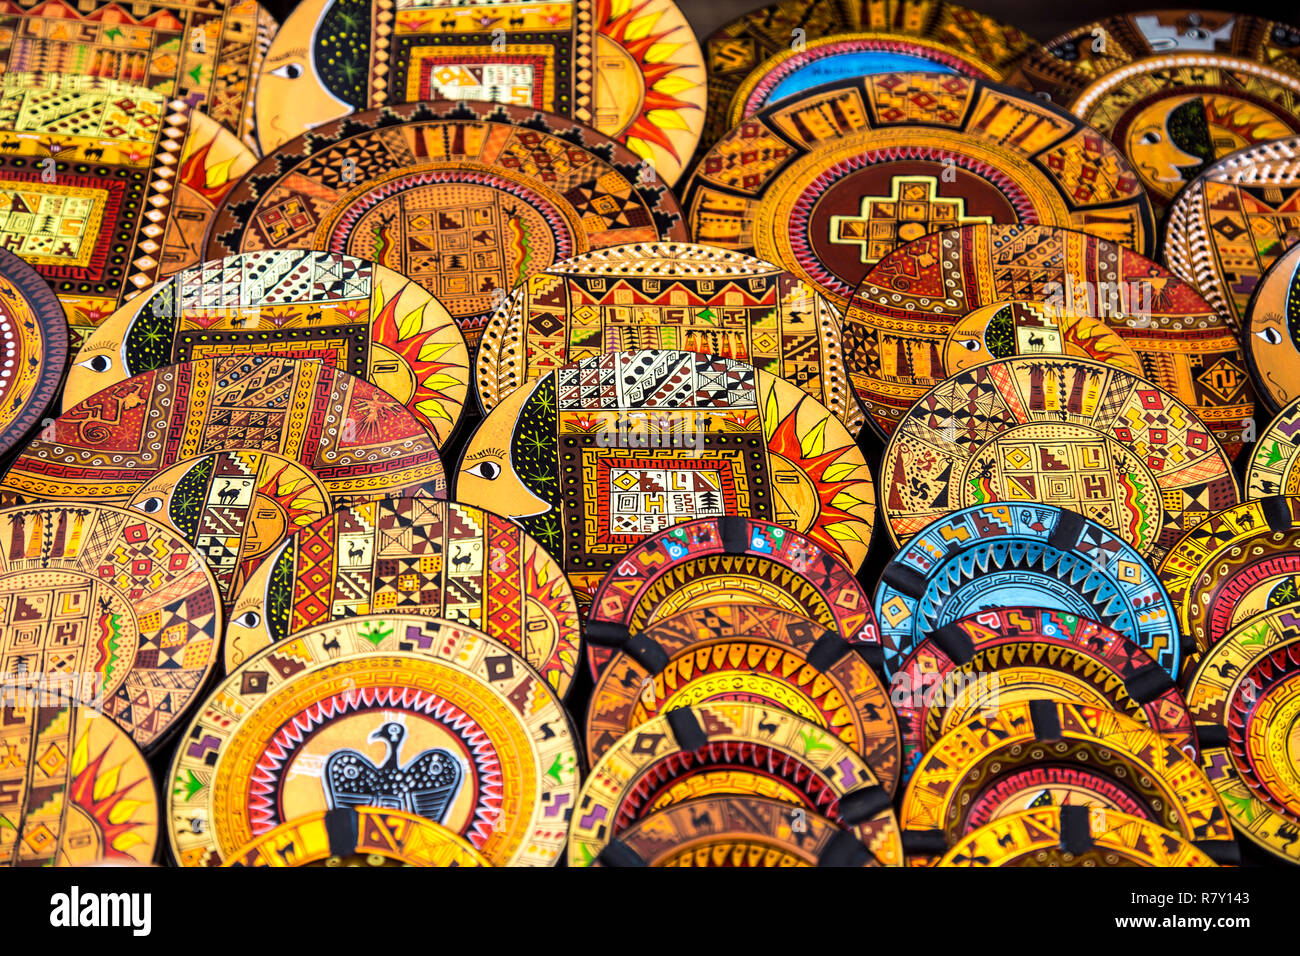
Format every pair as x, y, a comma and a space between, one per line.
34, 336
359, 441
1272, 332
351, 314
1011, 654
1064, 431
709, 654
465, 198
829, 182
413, 556
77, 789
735, 831
937, 305
1032, 555
113, 601
667, 295
1274, 467
358, 836
427, 716
1034, 753
726, 748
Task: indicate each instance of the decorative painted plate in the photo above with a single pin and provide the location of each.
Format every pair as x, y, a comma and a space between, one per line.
466, 198
1272, 332
1064, 431
414, 556
710, 654
209, 55
1074, 835
956, 298
361, 442
1173, 89
828, 183
112, 601
1045, 752
594, 457
1275, 462
731, 748
34, 336
1237, 563
438, 720
1234, 221
628, 68
358, 836
1030, 555
233, 507
106, 186
667, 296
77, 790
351, 314
1012, 654
735, 831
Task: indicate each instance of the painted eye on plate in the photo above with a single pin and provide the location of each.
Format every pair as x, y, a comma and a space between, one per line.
1270, 335
290, 71
1151, 138
249, 619
485, 469
970, 345
150, 506
97, 363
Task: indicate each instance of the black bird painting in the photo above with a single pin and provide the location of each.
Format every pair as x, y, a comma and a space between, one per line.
426, 786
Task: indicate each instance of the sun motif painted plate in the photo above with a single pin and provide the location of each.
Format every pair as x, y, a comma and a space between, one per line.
77, 789
351, 314
1233, 221
1064, 431
34, 337
358, 836
1032, 555
667, 296
1272, 332
735, 831
361, 442
1074, 836
594, 457
1173, 89
956, 298
468, 199
828, 183
1274, 467
731, 748
234, 508
1045, 752
92, 590
1011, 654
439, 719
712, 654
1237, 563
414, 556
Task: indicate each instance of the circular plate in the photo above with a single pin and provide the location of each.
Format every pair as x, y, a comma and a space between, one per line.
603, 452
633, 71
361, 442
735, 831
1074, 835
1275, 463
937, 305
1236, 563
1032, 555
104, 199
77, 790
1035, 752
1173, 89
233, 507
1272, 332
360, 836
113, 600
414, 556
467, 199
1011, 654
1069, 432
731, 748
828, 183
34, 335
1233, 221
351, 314
439, 718
735, 561
760, 655
667, 296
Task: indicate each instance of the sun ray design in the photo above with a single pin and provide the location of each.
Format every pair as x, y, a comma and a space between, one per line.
98, 791
404, 338
286, 492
